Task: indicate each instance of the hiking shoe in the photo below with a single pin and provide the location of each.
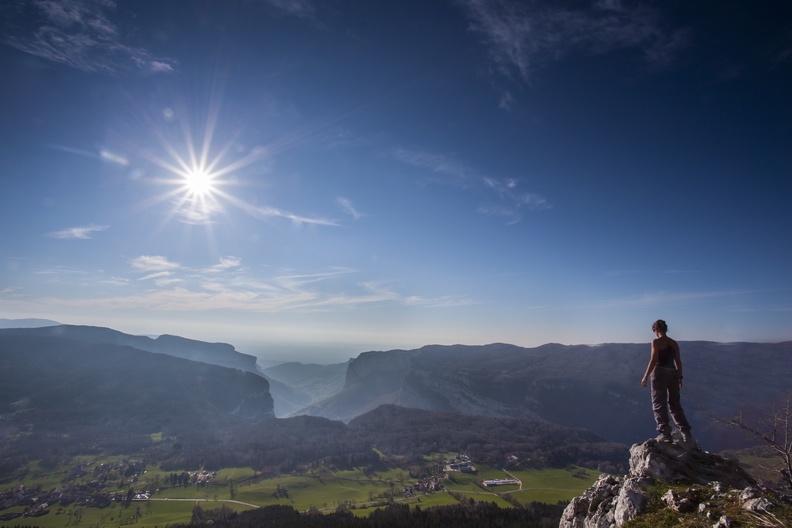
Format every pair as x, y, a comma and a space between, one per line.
664, 438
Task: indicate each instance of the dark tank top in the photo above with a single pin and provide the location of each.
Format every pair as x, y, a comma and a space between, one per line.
665, 356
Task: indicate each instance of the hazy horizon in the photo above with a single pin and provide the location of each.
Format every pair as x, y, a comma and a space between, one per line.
273, 352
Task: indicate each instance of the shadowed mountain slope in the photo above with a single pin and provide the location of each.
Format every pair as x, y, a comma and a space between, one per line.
63, 385
593, 387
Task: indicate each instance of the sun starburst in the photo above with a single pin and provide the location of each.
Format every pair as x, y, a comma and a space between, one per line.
199, 179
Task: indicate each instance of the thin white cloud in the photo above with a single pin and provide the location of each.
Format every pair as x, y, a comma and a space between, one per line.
511, 214
101, 154
506, 100
266, 212
510, 200
440, 164
346, 205
113, 157
61, 270
114, 281
297, 8
78, 232
153, 263
167, 281
81, 34
446, 301
662, 297
205, 291
296, 281
521, 36
225, 264
196, 212
156, 275
158, 66
274, 212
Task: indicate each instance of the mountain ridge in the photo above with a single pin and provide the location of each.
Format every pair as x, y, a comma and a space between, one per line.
221, 354
27, 323
595, 387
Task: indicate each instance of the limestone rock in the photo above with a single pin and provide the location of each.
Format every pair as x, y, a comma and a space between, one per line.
672, 463
679, 502
751, 499
593, 509
631, 501
613, 501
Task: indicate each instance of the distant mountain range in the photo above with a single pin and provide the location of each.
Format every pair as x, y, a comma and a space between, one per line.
26, 323
295, 386
594, 387
221, 354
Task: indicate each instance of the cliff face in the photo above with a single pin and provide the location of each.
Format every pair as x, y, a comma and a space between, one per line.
63, 386
669, 486
593, 387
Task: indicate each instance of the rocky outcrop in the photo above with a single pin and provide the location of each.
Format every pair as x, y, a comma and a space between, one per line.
674, 464
612, 501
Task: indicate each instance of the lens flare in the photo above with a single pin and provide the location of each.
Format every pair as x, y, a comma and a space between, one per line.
197, 178
199, 182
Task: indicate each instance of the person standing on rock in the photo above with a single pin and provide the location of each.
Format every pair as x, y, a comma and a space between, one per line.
665, 370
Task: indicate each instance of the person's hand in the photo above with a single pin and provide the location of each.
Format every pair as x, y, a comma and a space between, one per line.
643, 382
680, 383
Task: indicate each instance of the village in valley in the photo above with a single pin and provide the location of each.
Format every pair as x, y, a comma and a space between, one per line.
119, 490
94, 485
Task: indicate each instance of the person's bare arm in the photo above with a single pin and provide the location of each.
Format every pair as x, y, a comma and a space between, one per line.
678, 362
650, 367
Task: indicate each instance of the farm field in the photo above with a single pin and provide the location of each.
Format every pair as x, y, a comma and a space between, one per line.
553, 485
243, 488
151, 514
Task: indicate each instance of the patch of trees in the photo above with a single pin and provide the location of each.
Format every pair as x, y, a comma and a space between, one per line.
467, 515
293, 444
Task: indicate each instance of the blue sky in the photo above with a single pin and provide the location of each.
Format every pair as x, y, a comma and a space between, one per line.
397, 174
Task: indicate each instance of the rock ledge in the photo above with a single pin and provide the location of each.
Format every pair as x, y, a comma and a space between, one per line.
612, 500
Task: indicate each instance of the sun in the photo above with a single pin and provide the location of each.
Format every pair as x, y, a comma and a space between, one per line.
199, 182
199, 178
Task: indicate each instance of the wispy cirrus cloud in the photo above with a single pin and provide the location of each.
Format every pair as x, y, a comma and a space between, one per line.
297, 8
274, 212
660, 298
346, 205
100, 154
153, 263
522, 36
155, 275
78, 232
507, 198
114, 281
225, 264
448, 167
81, 34
201, 289
113, 157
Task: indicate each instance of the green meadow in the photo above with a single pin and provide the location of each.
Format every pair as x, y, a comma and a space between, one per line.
152, 514
322, 490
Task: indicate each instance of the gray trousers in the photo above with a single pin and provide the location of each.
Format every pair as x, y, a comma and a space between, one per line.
665, 395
